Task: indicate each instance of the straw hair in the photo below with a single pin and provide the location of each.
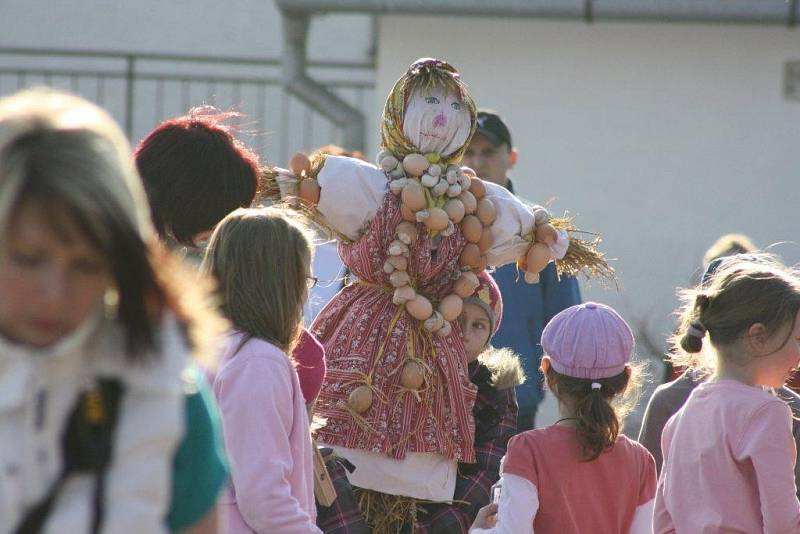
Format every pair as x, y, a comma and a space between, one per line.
261, 260
743, 291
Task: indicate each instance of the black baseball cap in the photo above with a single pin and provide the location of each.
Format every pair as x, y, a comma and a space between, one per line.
492, 127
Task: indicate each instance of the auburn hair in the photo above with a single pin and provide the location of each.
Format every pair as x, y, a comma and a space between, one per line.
195, 172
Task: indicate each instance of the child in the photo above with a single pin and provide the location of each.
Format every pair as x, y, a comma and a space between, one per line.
580, 474
729, 452
261, 259
89, 302
495, 372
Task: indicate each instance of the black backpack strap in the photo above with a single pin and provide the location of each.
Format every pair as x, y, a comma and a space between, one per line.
86, 445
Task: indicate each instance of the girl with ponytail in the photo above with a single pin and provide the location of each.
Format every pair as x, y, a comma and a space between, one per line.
579, 474
729, 452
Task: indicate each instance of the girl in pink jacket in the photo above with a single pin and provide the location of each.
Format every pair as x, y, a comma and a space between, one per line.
261, 259
729, 452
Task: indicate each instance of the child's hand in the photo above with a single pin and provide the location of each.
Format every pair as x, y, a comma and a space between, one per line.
486, 518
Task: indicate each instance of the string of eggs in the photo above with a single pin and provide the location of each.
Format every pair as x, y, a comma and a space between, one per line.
440, 197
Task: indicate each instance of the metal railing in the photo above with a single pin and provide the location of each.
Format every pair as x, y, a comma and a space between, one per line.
142, 89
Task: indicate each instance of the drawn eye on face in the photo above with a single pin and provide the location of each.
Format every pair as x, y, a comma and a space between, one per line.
431, 100
456, 105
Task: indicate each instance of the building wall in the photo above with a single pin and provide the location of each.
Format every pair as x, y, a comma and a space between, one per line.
660, 136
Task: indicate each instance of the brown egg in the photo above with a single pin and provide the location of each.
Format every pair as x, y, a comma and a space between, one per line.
472, 228
299, 163
412, 376
468, 199
486, 211
450, 307
420, 308
398, 262
415, 164
360, 399
407, 214
470, 256
412, 195
469, 172
407, 232
309, 191
437, 219
466, 284
486, 240
547, 234
399, 279
455, 210
483, 263
538, 257
477, 188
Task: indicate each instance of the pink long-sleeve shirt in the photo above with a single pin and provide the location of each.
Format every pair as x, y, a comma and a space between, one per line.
268, 442
728, 464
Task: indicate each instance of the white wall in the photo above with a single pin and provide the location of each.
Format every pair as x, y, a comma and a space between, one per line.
662, 137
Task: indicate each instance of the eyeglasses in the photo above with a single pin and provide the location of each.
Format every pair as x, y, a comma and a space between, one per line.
311, 281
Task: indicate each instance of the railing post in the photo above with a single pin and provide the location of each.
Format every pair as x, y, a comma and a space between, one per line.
130, 80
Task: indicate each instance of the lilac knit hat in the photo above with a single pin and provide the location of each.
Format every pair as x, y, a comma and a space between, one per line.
588, 340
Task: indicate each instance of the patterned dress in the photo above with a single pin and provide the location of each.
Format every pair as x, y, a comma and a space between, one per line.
367, 338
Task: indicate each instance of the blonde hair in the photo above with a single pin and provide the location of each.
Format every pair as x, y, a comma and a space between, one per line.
728, 245
70, 158
744, 290
261, 259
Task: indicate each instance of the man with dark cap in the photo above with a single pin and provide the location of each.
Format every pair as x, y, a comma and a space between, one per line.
529, 306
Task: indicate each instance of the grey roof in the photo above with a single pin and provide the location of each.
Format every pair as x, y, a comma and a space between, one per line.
782, 12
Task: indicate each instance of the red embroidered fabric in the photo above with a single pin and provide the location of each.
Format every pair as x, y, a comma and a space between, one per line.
364, 333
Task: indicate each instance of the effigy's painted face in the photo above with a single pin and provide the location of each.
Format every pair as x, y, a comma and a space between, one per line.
436, 120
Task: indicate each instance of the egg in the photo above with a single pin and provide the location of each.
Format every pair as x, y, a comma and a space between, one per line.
299, 164
547, 234
450, 307
403, 294
445, 330
415, 164
360, 399
399, 263
388, 163
468, 199
398, 172
465, 182
450, 230
397, 247
472, 228
407, 214
483, 263
541, 216
396, 186
469, 172
388, 268
477, 188
407, 232
486, 240
466, 285
435, 170
532, 278
413, 196
420, 308
437, 219
486, 211
440, 188
412, 376
428, 180
382, 154
454, 209
470, 256
422, 215
538, 257
399, 279
434, 322
309, 191
452, 177
453, 190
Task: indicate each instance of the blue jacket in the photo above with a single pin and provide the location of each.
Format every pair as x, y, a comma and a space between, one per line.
526, 310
